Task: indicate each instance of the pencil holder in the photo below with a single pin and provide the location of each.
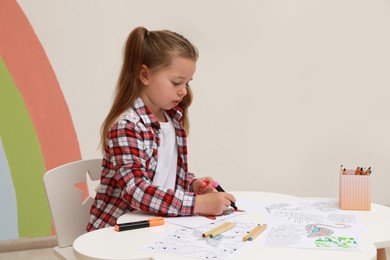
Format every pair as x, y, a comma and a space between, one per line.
355, 191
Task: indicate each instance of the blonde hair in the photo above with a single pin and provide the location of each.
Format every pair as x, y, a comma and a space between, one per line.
156, 50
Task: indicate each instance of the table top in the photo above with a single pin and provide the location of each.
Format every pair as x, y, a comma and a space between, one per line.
108, 244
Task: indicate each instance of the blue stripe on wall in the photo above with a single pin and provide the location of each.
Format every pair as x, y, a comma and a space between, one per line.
8, 207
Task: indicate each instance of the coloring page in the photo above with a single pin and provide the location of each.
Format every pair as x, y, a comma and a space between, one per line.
324, 235
311, 224
190, 243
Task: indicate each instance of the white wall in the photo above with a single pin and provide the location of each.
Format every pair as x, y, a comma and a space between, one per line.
285, 91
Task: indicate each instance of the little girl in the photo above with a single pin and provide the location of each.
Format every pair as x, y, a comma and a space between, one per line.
144, 136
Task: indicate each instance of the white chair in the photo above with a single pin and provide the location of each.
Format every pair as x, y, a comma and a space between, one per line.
69, 212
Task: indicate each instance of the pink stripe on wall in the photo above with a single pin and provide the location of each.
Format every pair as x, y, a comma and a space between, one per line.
37, 83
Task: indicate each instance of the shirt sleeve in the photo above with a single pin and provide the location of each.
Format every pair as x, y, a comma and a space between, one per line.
126, 146
190, 179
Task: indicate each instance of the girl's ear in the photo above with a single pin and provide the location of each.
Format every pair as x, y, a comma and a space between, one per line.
144, 75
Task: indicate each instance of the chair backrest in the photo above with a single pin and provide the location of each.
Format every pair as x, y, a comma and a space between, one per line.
69, 212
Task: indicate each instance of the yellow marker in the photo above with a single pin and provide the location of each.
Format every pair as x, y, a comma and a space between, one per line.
223, 229
255, 232
206, 234
368, 171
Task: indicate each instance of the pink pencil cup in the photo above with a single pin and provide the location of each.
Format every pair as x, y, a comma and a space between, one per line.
355, 191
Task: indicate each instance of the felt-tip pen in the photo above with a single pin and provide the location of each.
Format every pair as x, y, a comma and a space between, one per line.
219, 188
139, 224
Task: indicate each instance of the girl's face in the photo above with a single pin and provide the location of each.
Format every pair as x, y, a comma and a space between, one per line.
165, 88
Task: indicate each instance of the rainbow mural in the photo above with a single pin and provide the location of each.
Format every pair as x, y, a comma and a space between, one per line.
36, 129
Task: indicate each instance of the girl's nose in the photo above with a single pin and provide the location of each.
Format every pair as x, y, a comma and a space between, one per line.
183, 91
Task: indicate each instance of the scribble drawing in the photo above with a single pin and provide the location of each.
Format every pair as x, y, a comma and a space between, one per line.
341, 218
298, 217
278, 206
197, 233
214, 242
320, 230
336, 242
284, 235
321, 206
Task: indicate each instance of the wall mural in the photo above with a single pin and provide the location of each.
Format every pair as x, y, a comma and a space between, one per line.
36, 129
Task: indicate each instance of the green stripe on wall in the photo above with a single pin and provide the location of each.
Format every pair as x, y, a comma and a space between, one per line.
25, 160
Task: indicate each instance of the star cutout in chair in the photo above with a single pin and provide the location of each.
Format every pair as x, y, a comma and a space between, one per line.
87, 187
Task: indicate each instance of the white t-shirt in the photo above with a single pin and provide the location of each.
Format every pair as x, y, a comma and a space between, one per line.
165, 175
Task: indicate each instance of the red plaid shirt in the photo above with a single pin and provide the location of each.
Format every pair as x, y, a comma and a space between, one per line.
129, 165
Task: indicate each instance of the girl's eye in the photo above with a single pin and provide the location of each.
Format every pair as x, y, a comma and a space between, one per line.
175, 83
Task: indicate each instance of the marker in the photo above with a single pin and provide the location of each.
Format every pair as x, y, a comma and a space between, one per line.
219, 230
368, 171
255, 232
139, 224
208, 233
219, 188
357, 172
343, 170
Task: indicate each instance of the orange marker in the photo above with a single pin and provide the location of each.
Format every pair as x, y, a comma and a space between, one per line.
139, 224
357, 172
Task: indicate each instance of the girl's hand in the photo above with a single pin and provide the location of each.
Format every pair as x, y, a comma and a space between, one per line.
203, 185
213, 203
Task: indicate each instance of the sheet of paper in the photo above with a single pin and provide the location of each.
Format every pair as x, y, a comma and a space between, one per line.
194, 221
190, 243
311, 224
199, 221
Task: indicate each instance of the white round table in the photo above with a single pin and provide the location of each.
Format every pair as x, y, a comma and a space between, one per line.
106, 243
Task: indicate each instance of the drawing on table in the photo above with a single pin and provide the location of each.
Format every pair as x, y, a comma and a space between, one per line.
300, 212
284, 235
320, 230
190, 243
214, 242
315, 230
341, 218
302, 224
309, 236
337, 242
318, 206
297, 216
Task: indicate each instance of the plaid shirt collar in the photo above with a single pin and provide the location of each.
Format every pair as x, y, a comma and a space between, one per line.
148, 118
